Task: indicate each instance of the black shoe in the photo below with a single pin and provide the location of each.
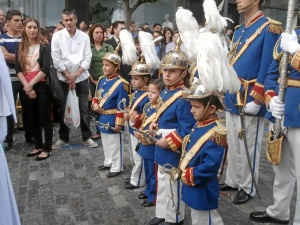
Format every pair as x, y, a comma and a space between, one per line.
168, 223
127, 180
263, 217
156, 221
43, 158
142, 196
103, 167
147, 204
241, 197
130, 186
30, 141
30, 154
225, 187
112, 174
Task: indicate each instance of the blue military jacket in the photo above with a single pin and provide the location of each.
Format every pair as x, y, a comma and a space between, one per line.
176, 116
204, 165
139, 107
254, 62
292, 93
147, 151
112, 103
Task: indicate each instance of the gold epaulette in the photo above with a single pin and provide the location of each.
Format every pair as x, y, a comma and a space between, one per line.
220, 134
277, 55
238, 26
125, 83
275, 26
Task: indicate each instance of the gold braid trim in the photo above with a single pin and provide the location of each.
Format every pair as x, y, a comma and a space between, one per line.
275, 26
125, 83
220, 134
277, 55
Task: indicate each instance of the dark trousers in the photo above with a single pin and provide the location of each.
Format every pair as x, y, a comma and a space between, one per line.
92, 112
82, 92
18, 88
40, 113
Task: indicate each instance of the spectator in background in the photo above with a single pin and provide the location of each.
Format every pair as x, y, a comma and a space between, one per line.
2, 21
132, 30
59, 26
109, 31
160, 49
8, 44
146, 28
32, 67
171, 46
72, 65
156, 27
99, 49
49, 32
168, 34
140, 28
83, 26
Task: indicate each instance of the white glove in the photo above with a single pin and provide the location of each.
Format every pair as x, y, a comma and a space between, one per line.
276, 108
252, 108
289, 42
164, 132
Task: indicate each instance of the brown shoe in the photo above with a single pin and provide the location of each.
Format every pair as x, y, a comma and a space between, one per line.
96, 136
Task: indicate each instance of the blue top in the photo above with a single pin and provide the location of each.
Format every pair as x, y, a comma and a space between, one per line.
254, 62
112, 101
291, 97
176, 116
147, 151
206, 163
140, 106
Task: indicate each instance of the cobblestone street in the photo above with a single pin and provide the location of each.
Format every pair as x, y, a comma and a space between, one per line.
67, 189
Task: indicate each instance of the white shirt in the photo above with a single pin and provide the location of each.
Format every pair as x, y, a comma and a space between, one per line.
69, 53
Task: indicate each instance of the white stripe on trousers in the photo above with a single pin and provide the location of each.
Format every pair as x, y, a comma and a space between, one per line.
137, 173
286, 174
113, 151
206, 217
164, 204
238, 173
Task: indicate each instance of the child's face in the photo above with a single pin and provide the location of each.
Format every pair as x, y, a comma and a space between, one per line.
108, 68
137, 81
171, 75
153, 93
198, 109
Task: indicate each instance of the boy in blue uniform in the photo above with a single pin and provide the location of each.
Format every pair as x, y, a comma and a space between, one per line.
202, 155
173, 120
253, 43
287, 172
147, 146
140, 78
111, 90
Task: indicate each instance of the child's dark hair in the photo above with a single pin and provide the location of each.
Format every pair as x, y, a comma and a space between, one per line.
159, 83
212, 100
146, 76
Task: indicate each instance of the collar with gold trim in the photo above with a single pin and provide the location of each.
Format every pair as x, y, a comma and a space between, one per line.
254, 18
177, 85
207, 121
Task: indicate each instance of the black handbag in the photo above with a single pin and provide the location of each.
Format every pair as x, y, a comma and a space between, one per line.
54, 85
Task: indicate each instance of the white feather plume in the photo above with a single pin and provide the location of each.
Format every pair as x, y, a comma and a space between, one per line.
189, 31
214, 21
148, 49
129, 55
214, 69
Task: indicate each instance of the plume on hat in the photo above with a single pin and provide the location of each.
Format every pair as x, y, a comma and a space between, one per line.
129, 55
189, 31
148, 49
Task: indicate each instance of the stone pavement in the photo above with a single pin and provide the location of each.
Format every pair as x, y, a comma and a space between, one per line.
67, 189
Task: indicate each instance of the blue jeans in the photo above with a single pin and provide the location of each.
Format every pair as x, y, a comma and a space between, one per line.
82, 92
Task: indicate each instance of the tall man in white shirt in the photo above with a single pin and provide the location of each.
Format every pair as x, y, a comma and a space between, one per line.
71, 55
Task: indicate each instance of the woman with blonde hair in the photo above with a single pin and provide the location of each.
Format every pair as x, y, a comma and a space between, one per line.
32, 67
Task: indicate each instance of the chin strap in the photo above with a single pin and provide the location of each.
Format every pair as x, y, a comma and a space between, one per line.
206, 107
245, 7
178, 79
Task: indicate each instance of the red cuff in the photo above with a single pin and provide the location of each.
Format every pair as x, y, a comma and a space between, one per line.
174, 140
95, 100
258, 92
268, 96
120, 118
187, 176
138, 121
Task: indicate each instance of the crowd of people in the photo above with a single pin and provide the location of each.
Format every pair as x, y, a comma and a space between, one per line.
177, 142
